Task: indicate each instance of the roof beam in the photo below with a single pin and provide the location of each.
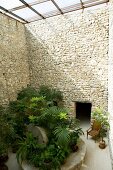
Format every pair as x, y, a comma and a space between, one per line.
82, 4
9, 12
57, 6
27, 5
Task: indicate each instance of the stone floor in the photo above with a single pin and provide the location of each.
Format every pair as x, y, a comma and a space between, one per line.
96, 158
12, 162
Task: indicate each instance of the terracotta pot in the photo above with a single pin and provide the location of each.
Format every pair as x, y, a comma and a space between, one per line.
102, 144
74, 148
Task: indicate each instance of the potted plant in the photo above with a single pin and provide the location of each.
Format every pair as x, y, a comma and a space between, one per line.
103, 131
74, 136
101, 116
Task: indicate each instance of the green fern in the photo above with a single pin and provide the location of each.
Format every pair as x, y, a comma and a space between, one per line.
62, 135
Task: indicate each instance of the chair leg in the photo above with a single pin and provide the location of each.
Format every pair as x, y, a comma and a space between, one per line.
87, 135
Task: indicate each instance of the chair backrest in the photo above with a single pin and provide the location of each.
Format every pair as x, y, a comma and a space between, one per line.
96, 125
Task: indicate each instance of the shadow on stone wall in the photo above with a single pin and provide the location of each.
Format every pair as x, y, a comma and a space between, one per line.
74, 76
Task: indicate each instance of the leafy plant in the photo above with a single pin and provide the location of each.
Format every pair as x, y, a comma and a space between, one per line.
6, 129
3, 148
27, 93
52, 115
101, 116
28, 146
53, 96
62, 135
74, 136
37, 104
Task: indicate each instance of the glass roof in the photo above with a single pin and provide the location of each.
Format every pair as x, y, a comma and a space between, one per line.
45, 7
11, 4
63, 3
31, 10
26, 13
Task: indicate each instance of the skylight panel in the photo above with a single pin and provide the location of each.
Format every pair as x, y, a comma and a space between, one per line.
45, 7
66, 3
9, 4
26, 13
15, 18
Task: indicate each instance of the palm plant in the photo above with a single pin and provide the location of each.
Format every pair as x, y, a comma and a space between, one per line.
62, 135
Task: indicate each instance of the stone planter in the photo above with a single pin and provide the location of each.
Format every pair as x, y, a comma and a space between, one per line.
73, 162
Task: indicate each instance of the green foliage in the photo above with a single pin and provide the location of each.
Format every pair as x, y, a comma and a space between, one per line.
37, 104
63, 115
41, 156
28, 146
27, 93
6, 130
53, 96
18, 106
62, 135
38, 108
3, 148
74, 135
52, 116
102, 117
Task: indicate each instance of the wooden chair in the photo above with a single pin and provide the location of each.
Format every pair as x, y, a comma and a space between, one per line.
94, 130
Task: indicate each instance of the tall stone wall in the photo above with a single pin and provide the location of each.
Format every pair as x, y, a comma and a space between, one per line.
110, 75
14, 69
70, 52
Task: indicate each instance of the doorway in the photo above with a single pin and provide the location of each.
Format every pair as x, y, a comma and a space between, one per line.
83, 111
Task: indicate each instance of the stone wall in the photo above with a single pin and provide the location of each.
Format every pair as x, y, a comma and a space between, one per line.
14, 69
70, 52
110, 75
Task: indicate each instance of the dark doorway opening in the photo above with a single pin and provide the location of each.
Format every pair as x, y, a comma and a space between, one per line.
83, 111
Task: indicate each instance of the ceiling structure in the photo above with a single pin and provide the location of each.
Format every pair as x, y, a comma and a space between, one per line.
31, 10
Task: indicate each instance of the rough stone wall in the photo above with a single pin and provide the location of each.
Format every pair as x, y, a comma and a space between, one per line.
110, 75
14, 69
70, 52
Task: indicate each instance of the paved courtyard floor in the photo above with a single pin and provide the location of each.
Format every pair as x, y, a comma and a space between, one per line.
96, 158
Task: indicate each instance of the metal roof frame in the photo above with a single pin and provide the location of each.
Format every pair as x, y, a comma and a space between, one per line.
71, 8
